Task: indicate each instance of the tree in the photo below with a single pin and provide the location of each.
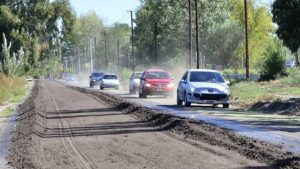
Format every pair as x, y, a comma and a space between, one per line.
36, 26
260, 29
166, 23
221, 43
286, 16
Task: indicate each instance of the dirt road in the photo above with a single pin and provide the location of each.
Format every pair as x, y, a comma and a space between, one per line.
62, 128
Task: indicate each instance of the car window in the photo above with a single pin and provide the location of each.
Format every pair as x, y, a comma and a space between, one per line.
97, 74
137, 75
157, 75
110, 77
211, 77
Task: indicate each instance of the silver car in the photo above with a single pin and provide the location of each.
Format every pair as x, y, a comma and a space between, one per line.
109, 80
203, 86
134, 82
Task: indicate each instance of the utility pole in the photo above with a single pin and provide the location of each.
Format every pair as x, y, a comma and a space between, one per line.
190, 34
91, 53
197, 34
118, 53
95, 54
105, 50
132, 41
155, 43
83, 56
247, 41
78, 56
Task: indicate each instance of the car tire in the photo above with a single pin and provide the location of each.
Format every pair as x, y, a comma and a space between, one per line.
91, 85
186, 103
101, 88
179, 102
226, 105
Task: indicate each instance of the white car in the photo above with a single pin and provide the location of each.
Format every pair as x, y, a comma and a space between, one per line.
109, 81
134, 82
203, 86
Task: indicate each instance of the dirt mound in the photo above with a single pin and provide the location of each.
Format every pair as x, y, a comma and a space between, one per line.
261, 151
284, 107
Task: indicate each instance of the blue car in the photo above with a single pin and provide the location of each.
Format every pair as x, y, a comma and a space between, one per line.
95, 78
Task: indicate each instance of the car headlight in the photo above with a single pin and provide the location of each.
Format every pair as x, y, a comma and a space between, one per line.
148, 85
192, 89
226, 90
170, 85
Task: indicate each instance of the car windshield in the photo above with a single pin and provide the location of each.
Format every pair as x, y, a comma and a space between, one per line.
211, 77
157, 75
137, 75
110, 77
97, 74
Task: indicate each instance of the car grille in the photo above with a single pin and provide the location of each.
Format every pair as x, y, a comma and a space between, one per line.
210, 96
161, 85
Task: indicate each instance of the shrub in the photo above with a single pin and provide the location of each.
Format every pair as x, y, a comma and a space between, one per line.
273, 67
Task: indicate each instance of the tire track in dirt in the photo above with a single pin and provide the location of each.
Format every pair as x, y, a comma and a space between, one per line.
68, 142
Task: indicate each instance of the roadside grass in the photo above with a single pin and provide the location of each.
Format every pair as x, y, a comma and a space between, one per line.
11, 89
276, 90
7, 112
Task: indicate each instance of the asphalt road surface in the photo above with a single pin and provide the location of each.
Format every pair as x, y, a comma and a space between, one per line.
61, 128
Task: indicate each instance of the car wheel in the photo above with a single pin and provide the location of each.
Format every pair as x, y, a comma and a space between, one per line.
225, 105
186, 103
101, 88
91, 85
179, 102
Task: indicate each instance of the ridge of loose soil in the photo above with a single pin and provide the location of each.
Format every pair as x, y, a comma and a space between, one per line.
284, 107
261, 151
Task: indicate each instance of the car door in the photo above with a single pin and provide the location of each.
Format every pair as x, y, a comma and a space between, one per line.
182, 85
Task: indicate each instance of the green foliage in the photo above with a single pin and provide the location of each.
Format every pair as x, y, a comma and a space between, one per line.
286, 16
90, 34
7, 112
171, 18
36, 27
260, 27
293, 77
274, 64
11, 88
11, 65
221, 44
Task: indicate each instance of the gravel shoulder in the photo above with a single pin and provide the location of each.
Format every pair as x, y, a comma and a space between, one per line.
59, 127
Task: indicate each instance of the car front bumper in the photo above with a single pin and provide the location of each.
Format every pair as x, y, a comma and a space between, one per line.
155, 91
209, 98
110, 85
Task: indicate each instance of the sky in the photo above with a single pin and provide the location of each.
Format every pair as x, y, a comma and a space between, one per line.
110, 11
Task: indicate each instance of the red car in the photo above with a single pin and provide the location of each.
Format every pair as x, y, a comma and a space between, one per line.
155, 82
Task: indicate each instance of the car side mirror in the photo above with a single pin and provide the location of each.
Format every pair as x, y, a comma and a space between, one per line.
227, 82
182, 81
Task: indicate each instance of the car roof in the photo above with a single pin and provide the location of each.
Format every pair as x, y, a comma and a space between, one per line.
155, 70
203, 70
109, 74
